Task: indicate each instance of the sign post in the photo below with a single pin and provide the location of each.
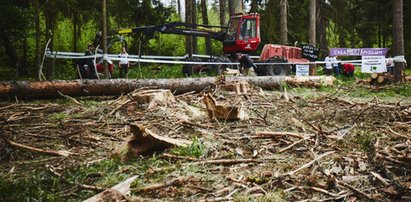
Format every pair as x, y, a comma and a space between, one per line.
302, 70
373, 64
372, 61
310, 52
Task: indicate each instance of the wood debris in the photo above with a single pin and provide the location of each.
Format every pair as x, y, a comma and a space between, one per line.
223, 112
145, 142
326, 148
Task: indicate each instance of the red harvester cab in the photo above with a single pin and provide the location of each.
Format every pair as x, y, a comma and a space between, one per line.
243, 33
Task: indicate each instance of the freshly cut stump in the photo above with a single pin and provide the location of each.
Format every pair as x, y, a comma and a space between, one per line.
222, 112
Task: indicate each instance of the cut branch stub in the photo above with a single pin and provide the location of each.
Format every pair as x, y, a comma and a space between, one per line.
145, 142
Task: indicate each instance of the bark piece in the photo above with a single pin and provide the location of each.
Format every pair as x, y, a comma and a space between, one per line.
222, 112
145, 142
157, 97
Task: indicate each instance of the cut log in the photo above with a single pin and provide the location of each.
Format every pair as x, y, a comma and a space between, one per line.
369, 80
145, 142
374, 75
380, 79
50, 89
222, 112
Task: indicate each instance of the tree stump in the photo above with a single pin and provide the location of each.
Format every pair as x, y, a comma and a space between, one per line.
222, 112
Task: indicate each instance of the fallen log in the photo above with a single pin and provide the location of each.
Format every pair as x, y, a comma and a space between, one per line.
73, 88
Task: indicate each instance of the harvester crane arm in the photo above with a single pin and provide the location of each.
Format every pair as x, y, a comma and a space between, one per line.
180, 28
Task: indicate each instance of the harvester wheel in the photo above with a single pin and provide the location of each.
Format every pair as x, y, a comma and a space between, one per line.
190, 69
277, 69
220, 68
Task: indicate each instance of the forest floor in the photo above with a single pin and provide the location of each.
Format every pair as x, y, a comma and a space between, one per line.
348, 143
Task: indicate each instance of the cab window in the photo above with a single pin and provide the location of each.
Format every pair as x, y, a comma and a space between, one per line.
232, 29
248, 29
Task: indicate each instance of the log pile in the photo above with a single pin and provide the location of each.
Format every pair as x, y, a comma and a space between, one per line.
380, 79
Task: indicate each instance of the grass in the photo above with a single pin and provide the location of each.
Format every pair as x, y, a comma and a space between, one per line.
156, 71
41, 185
275, 196
195, 149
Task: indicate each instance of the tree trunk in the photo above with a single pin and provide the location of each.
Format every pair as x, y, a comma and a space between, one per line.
76, 34
38, 32
340, 15
231, 7
312, 31
189, 39
194, 21
222, 12
205, 21
50, 17
51, 89
235, 6
11, 52
283, 21
22, 68
105, 64
398, 39
312, 20
179, 8
322, 28
254, 6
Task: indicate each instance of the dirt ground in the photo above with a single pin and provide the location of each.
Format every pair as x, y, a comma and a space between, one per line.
294, 145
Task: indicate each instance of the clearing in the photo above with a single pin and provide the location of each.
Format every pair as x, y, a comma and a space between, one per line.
343, 143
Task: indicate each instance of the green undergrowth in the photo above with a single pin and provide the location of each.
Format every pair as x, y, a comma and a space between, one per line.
273, 196
195, 149
42, 185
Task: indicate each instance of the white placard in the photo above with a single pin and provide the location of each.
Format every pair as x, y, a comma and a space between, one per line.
302, 70
373, 64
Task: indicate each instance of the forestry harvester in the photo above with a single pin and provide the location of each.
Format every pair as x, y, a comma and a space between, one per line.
242, 35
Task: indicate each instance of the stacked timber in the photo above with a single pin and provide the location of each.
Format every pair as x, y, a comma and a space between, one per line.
379, 78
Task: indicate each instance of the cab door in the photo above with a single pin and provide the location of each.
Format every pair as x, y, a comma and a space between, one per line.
243, 34
248, 36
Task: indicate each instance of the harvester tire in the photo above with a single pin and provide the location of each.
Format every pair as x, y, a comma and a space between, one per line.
220, 68
190, 69
277, 69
